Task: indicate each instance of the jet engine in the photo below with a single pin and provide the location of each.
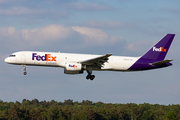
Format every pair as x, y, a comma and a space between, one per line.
73, 68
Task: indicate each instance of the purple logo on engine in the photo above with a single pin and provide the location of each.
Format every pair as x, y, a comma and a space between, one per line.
75, 66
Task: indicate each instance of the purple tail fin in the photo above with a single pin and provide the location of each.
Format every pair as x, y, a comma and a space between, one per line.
159, 50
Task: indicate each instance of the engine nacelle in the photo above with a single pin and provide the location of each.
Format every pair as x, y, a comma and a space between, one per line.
73, 68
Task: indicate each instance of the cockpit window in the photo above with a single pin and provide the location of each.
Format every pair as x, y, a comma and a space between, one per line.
12, 56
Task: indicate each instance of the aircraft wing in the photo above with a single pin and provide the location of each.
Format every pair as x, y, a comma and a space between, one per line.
160, 62
98, 61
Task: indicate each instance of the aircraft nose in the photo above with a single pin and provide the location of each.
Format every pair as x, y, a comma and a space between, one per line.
7, 60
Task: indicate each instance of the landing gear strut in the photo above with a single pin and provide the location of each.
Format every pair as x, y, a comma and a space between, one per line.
24, 68
89, 71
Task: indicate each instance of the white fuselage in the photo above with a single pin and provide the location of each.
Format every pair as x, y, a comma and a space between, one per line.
52, 59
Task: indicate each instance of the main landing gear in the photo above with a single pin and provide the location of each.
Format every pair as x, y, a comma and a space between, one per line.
89, 71
89, 76
24, 68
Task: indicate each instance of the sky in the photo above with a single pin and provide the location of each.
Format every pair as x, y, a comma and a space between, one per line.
120, 27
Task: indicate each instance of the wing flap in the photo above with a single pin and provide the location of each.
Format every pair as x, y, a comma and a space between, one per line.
160, 62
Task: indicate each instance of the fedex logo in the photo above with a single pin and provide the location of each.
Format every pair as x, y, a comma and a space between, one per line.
46, 57
74, 66
161, 49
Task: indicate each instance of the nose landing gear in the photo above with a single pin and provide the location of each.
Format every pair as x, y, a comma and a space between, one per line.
24, 68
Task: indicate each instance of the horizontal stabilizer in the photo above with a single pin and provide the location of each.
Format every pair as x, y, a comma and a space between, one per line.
160, 62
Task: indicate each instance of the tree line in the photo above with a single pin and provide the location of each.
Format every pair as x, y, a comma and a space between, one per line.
85, 110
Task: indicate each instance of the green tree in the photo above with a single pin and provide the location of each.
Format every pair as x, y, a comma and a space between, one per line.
5, 114
35, 102
170, 116
53, 113
14, 112
37, 114
178, 116
82, 116
68, 102
18, 103
87, 102
67, 113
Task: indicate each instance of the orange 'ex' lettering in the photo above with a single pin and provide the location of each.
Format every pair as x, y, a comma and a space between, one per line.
50, 58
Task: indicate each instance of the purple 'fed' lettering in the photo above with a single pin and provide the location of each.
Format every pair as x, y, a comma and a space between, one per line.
38, 57
33, 55
46, 57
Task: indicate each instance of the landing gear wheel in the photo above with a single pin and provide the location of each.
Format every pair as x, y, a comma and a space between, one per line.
25, 73
88, 76
92, 77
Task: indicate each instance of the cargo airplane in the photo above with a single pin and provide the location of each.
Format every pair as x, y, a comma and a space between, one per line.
78, 63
